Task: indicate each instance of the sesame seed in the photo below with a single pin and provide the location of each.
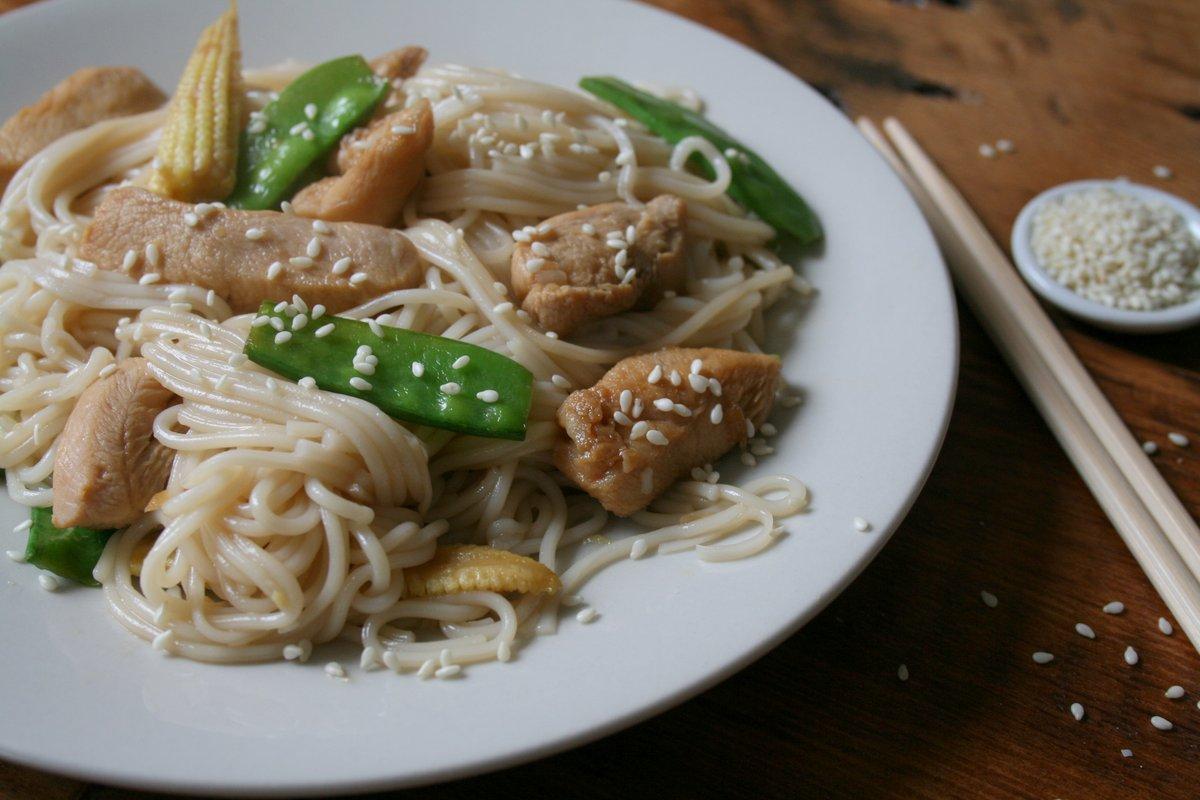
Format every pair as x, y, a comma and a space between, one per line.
403, 130
1085, 630
697, 364
274, 270
655, 436
662, 403
303, 262
149, 278
427, 670
717, 414
638, 407
628, 277
333, 669
1165, 626
254, 234
1115, 607
1178, 439
448, 671
675, 378
282, 337
308, 382
461, 362
1174, 692
987, 151
322, 227
588, 229
49, 582
313, 250
152, 254
587, 615
638, 430
860, 524
324, 330
131, 258
748, 459
318, 311
418, 369
655, 374
1005, 145
625, 400
768, 429
1150, 448
534, 264
502, 308
1163, 172
1126, 752
682, 410
621, 418
299, 321
307, 135
560, 381
16, 555
360, 384
990, 600
1131, 656
551, 335
540, 249
1077, 711
191, 220
375, 327
450, 388
902, 672
698, 382
357, 278
488, 395
714, 386
749, 429
638, 548
1042, 657
1161, 723
341, 266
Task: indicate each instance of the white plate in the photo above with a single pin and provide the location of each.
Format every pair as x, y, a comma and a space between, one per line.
876, 353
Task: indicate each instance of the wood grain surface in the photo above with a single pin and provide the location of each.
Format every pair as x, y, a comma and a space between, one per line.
1084, 88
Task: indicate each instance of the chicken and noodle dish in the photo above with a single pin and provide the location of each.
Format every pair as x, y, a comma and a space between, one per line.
377, 349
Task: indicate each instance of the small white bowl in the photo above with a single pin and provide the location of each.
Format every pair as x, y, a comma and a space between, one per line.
1172, 318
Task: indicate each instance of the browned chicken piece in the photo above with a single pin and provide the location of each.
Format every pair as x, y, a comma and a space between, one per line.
396, 65
568, 276
108, 464
84, 98
378, 181
653, 417
234, 252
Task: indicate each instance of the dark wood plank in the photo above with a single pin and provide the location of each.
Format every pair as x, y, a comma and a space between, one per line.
1084, 89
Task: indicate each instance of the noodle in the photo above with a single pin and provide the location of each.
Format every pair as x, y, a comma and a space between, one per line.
290, 513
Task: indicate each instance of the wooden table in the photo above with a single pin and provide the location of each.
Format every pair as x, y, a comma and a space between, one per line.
1085, 88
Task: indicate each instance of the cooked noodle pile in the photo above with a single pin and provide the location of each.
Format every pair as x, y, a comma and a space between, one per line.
290, 512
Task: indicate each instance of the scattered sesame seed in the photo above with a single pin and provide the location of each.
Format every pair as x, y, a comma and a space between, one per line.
324, 330
335, 670
655, 436
1085, 630
675, 378
587, 615
149, 278
152, 254
16, 555
698, 383
638, 548
1005, 145
748, 459
450, 388
318, 311
902, 672
638, 407
621, 418
448, 671
131, 258
303, 262
662, 403
681, 410
341, 266
488, 395
322, 227
360, 384
254, 234
1126, 752
551, 335
717, 414
1115, 607
588, 228
768, 429
1077, 711
49, 582
1150, 448
987, 151
1131, 656
274, 270
749, 429
191, 220
1042, 657
990, 600
502, 308
1165, 626
282, 337
307, 135
357, 278
1174, 692
461, 362
1161, 723
418, 369
307, 382
427, 670
534, 264
1178, 439
1163, 172
861, 525
638, 430
403, 130
625, 400
299, 321
655, 374
313, 249
560, 381
714, 386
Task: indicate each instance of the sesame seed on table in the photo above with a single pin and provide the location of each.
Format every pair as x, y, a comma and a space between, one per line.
918, 681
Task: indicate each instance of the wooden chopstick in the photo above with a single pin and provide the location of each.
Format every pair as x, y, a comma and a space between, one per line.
1049, 370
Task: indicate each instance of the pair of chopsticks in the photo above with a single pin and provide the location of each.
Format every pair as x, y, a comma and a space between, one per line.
1155, 526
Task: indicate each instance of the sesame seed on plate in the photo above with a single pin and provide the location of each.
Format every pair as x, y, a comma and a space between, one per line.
1115, 607
488, 395
1131, 656
1085, 630
49, 582
1174, 692
450, 388
360, 384
587, 615
16, 555
860, 524
1042, 657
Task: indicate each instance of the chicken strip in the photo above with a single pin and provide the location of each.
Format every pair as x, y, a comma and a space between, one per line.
397, 66
575, 272
108, 464
235, 253
378, 181
653, 417
84, 98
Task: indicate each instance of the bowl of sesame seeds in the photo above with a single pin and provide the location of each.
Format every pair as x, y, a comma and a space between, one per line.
1120, 255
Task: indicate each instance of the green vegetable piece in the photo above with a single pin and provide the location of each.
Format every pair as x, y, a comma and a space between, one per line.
394, 385
755, 185
275, 163
69, 552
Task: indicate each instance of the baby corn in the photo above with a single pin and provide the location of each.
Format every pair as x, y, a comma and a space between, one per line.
197, 154
478, 568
